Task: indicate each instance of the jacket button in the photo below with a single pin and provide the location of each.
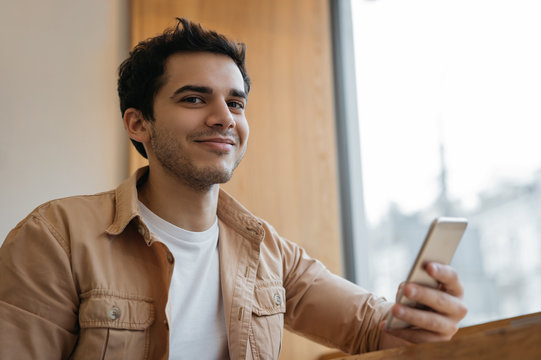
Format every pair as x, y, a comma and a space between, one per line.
114, 313
277, 299
170, 258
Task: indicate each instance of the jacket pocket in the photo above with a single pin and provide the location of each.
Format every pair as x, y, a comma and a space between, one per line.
267, 325
113, 327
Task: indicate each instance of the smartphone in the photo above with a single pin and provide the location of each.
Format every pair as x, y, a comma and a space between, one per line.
439, 246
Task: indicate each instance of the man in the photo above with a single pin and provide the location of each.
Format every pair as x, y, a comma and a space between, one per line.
170, 266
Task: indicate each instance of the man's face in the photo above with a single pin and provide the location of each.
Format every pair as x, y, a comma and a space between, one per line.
200, 132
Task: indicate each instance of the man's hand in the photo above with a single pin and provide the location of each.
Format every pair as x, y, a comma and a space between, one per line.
441, 323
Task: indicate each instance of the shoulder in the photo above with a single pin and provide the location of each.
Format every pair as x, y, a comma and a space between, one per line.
238, 217
57, 218
75, 207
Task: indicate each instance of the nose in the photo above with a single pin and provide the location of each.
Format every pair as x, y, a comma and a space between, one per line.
221, 116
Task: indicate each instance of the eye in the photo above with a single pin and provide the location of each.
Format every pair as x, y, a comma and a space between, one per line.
192, 100
236, 105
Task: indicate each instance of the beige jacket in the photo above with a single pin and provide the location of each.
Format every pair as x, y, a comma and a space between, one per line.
83, 278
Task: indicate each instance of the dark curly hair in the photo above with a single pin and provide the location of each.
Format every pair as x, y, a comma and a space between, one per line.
140, 76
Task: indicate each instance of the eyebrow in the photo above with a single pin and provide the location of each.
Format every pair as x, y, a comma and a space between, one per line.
207, 90
238, 93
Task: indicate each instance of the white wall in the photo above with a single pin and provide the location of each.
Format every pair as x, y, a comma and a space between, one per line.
61, 130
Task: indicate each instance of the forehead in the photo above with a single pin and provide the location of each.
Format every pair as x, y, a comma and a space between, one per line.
203, 69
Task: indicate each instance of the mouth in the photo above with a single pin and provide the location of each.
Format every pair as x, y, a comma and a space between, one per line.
217, 143
219, 140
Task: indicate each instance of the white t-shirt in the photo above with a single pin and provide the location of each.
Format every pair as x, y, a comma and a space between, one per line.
195, 308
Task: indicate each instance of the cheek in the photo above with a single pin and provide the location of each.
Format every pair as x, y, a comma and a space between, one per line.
243, 130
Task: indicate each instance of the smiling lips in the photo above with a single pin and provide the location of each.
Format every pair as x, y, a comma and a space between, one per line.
218, 143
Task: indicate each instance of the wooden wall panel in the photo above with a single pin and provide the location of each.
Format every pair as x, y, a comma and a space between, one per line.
289, 173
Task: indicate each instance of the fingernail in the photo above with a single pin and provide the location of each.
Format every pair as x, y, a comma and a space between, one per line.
411, 291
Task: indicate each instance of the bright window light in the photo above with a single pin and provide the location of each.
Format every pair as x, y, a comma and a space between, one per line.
449, 96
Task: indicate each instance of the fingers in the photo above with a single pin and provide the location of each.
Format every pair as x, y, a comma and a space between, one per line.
446, 276
428, 325
446, 303
437, 300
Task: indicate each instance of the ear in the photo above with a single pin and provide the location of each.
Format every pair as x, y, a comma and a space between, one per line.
136, 125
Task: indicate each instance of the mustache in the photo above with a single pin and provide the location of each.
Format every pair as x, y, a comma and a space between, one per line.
213, 132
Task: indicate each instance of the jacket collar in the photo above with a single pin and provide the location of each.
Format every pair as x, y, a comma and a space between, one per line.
126, 205
230, 211
236, 216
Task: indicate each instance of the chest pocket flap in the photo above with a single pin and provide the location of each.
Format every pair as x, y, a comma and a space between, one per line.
115, 312
269, 299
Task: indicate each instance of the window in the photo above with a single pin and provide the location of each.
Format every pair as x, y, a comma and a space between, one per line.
449, 113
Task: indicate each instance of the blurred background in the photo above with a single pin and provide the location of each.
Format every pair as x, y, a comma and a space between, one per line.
62, 132
368, 119
449, 117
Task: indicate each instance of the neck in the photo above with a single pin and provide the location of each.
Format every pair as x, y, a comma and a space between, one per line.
178, 203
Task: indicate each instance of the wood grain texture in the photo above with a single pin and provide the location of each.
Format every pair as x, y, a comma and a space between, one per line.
289, 173
508, 339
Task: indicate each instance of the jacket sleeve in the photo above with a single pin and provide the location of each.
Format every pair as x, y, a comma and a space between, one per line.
327, 308
38, 297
